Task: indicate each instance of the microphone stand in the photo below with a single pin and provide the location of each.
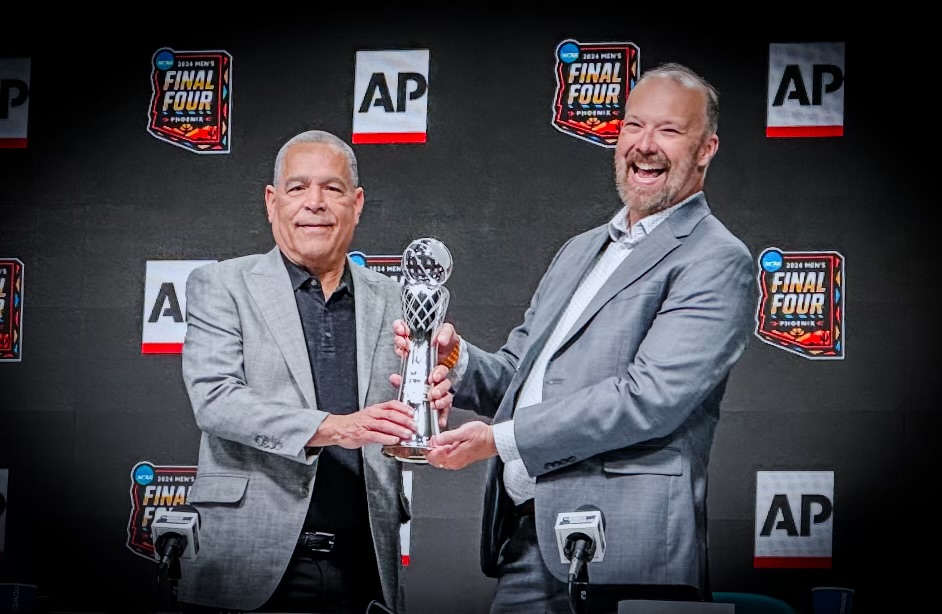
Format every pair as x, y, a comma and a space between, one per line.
167, 580
579, 591
168, 568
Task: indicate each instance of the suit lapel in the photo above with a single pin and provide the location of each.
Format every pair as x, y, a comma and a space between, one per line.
572, 266
370, 306
270, 287
649, 252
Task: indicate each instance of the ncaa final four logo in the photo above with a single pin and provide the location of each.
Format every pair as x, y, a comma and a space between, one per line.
801, 304
11, 310
154, 490
191, 104
592, 85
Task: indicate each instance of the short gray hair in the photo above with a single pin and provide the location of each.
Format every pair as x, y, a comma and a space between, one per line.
318, 136
686, 77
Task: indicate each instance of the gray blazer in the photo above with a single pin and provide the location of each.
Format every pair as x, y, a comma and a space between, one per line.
630, 399
248, 376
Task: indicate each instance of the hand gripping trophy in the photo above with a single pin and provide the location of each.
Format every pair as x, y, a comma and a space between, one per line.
426, 265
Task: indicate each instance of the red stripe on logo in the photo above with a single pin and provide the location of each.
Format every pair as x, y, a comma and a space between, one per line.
161, 348
791, 562
367, 138
789, 131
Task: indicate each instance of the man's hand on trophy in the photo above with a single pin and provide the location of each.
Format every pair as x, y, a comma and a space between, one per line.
469, 443
386, 423
439, 394
446, 340
449, 345
401, 338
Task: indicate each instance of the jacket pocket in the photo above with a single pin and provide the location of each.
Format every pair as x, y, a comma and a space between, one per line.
658, 461
214, 488
640, 288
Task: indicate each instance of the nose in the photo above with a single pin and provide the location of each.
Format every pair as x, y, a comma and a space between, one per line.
314, 199
646, 142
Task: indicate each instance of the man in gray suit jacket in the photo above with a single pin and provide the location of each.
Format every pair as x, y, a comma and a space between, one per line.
608, 394
289, 367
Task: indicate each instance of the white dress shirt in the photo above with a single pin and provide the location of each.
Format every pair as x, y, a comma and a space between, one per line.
518, 483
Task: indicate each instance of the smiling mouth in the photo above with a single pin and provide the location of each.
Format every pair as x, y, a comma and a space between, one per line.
646, 172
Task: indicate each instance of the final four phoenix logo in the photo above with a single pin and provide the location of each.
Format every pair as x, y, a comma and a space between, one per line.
801, 307
154, 490
592, 85
11, 309
191, 102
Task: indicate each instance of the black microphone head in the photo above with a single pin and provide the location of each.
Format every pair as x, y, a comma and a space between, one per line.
572, 542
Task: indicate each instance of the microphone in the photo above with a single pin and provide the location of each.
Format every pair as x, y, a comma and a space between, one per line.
580, 538
175, 534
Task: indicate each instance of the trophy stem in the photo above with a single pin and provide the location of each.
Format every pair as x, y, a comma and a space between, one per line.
413, 391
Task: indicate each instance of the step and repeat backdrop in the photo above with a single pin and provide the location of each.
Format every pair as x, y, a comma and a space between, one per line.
131, 156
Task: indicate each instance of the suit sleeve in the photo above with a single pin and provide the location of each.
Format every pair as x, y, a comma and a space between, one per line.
213, 364
485, 381
697, 335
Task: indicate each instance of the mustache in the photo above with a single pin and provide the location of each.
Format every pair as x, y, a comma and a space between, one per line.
653, 159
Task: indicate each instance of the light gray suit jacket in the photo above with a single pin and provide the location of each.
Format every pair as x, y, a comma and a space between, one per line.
630, 399
248, 376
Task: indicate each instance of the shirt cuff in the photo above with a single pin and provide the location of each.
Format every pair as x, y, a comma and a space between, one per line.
505, 441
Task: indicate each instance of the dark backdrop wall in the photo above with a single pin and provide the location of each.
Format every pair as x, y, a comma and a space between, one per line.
94, 197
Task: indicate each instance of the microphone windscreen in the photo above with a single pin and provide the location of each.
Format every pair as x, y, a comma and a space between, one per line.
187, 508
588, 507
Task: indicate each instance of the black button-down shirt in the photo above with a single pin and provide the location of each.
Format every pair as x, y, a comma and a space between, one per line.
338, 502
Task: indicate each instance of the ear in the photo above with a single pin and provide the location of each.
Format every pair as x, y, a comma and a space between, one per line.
709, 149
358, 201
270, 201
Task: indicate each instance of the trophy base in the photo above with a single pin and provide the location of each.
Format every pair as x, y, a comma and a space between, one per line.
407, 453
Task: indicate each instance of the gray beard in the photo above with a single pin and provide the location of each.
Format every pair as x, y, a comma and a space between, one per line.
647, 204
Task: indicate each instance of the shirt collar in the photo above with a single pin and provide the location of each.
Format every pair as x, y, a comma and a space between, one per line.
618, 225
299, 275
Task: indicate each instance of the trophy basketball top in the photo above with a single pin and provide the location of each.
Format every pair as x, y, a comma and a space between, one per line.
426, 261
